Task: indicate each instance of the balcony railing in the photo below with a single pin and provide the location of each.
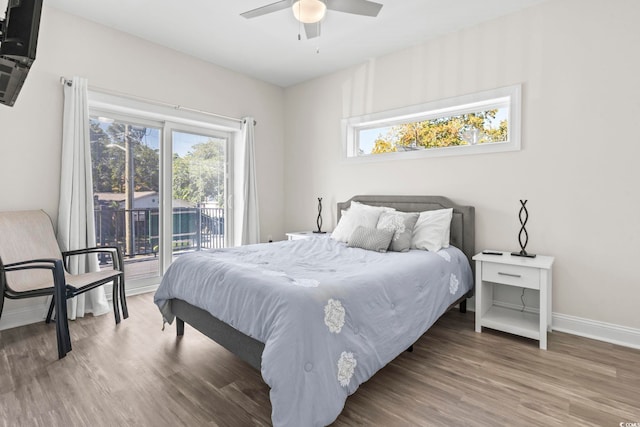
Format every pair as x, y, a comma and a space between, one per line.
193, 229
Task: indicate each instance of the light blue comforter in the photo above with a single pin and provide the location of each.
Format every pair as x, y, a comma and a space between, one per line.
330, 316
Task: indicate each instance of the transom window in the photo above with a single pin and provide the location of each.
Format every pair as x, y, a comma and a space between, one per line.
477, 123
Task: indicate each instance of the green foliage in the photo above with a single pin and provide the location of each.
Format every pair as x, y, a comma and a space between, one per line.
108, 158
106, 166
199, 175
442, 132
147, 168
500, 133
383, 146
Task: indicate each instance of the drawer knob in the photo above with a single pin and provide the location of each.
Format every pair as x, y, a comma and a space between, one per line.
508, 274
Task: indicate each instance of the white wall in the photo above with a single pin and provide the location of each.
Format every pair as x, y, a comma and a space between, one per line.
30, 132
578, 63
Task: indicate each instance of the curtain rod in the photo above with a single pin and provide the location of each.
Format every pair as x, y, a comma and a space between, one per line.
69, 82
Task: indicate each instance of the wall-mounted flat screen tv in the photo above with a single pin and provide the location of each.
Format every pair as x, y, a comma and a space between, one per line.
18, 42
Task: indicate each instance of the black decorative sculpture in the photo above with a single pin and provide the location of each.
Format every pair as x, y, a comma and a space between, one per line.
523, 230
319, 220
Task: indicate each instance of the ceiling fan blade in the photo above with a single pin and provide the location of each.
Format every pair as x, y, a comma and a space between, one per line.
263, 10
312, 30
358, 7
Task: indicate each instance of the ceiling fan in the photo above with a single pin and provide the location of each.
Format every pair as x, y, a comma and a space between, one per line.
311, 12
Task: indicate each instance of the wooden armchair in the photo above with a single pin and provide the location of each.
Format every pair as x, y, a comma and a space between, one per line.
31, 265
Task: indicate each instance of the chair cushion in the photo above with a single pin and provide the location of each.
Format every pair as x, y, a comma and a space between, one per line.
80, 280
27, 235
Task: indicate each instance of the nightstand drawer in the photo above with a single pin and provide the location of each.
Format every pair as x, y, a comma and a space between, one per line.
525, 277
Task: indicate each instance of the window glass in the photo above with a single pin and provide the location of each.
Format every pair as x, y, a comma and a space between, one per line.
462, 125
198, 183
126, 170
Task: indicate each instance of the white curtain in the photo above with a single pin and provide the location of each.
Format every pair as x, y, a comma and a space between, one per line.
250, 217
76, 228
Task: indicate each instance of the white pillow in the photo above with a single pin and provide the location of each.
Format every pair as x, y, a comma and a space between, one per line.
432, 230
381, 209
341, 232
357, 215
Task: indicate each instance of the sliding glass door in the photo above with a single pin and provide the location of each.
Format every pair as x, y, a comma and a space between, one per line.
160, 190
199, 183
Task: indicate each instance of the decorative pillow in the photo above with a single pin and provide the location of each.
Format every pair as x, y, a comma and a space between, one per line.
357, 214
402, 225
432, 230
371, 239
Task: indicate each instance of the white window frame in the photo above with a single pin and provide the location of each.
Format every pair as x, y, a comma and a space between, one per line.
168, 119
166, 159
506, 96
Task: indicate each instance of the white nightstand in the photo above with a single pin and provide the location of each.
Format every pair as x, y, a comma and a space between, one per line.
297, 235
530, 273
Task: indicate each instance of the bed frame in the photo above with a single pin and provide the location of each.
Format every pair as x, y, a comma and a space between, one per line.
250, 350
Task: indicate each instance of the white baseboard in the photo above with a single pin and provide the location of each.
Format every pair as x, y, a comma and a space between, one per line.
36, 313
135, 291
593, 329
23, 316
608, 332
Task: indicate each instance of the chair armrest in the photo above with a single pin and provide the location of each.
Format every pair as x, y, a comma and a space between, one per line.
93, 250
48, 263
118, 263
55, 265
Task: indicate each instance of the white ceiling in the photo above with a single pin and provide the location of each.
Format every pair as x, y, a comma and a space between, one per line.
267, 47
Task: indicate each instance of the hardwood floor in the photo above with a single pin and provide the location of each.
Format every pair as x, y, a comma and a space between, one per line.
135, 374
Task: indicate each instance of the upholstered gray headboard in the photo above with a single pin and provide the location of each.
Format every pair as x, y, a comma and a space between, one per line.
462, 223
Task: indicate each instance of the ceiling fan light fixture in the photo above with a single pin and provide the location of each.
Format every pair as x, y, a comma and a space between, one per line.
309, 11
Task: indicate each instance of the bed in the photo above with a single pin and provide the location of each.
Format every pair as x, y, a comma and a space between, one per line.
311, 366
